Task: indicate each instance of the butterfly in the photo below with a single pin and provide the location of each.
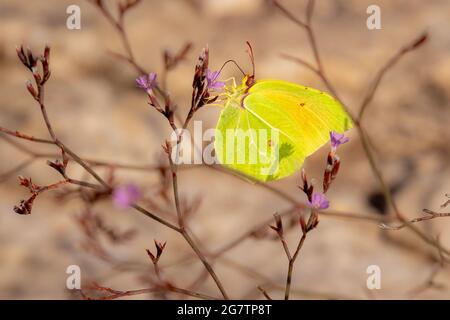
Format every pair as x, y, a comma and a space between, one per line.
268, 128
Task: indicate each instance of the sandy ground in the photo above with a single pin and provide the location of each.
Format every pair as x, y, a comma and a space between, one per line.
96, 109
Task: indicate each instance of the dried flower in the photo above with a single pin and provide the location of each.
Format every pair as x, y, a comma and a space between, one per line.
27, 183
200, 72
306, 187
31, 90
337, 139
147, 81
278, 225
318, 201
25, 206
159, 250
200, 93
125, 196
331, 170
58, 166
211, 78
204, 80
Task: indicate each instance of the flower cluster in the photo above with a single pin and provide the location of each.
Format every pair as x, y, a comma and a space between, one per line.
333, 161
211, 79
337, 139
317, 200
147, 82
204, 82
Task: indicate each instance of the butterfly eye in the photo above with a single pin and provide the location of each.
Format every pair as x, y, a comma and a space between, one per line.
250, 81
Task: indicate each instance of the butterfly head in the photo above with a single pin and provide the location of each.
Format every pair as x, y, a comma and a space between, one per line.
235, 93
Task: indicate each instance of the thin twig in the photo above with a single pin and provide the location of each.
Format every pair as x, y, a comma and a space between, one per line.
182, 228
291, 266
115, 294
362, 134
24, 136
430, 215
264, 292
65, 150
383, 70
252, 272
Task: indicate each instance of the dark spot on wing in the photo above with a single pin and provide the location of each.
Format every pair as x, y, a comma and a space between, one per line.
286, 150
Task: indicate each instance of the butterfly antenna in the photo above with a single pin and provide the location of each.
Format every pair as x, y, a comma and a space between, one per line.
235, 63
251, 78
252, 57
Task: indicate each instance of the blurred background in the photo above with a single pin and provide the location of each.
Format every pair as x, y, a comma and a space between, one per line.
97, 110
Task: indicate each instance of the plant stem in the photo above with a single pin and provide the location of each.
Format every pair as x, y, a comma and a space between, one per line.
291, 267
182, 229
205, 263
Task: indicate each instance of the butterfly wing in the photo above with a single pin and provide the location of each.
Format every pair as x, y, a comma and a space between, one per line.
278, 126
247, 143
311, 113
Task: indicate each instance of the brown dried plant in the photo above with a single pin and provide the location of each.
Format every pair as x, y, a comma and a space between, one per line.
301, 216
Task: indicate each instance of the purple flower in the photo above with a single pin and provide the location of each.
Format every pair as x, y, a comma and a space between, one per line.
337, 139
318, 201
211, 78
125, 196
147, 81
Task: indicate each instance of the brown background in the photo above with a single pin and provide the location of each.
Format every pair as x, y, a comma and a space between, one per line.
96, 109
